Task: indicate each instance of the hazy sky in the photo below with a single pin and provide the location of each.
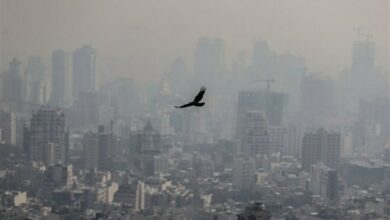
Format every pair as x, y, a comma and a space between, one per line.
140, 38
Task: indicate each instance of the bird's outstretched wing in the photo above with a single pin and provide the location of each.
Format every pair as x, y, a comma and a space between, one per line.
200, 94
185, 105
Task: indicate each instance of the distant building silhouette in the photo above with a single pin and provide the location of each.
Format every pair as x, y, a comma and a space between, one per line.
84, 71
36, 81
363, 73
14, 86
209, 61
60, 79
317, 99
85, 109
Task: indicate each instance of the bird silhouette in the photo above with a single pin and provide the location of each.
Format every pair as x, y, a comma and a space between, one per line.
196, 102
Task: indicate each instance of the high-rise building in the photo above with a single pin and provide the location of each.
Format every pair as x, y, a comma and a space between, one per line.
244, 173
48, 136
294, 141
124, 97
148, 140
132, 194
106, 145
254, 137
36, 78
324, 181
209, 61
278, 139
14, 86
8, 127
60, 175
147, 145
317, 98
263, 61
178, 75
84, 71
272, 103
60, 78
86, 110
98, 149
377, 112
362, 69
364, 80
90, 151
321, 146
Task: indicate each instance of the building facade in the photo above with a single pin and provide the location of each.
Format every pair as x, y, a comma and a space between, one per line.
321, 146
48, 136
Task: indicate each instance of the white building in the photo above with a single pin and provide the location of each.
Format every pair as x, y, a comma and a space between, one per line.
324, 182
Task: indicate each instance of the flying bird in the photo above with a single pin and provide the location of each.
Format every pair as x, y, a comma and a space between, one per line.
196, 102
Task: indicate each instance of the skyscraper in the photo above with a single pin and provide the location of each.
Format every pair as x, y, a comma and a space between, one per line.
272, 103
254, 137
362, 68
86, 110
60, 79
106, 148
278, 139
90, 150
14, 86
36, 78
317, 98
263, 61
147, 146
98, 149
8, 127
324, 181
321, 146
84, 71
209, 60
178, 76
48, 136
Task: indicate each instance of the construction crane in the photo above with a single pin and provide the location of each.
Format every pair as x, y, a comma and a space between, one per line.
268, 81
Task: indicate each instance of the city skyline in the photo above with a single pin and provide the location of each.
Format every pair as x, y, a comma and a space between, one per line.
295, 123
128, 40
